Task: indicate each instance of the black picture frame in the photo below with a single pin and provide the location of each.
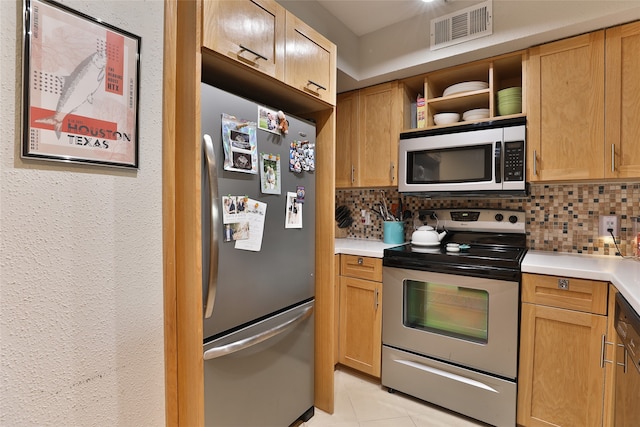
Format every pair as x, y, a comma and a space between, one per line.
80, 88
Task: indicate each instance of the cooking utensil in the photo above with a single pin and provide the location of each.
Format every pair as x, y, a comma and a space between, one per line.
385, 209
377, 212
343, 217
346, 222
342, 212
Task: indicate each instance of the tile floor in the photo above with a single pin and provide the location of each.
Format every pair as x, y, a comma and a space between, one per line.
362, 402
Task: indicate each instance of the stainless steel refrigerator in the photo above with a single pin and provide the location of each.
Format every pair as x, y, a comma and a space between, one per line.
258, 331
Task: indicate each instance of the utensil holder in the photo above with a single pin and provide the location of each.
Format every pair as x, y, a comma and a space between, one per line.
393, 232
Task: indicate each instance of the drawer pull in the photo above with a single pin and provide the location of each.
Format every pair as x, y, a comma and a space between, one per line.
360, 261
258, 56
563, 284
319, 86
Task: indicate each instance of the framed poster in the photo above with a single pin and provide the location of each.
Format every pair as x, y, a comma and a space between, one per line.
80, 88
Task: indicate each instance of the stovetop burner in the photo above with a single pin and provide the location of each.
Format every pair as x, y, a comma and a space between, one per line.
495, 251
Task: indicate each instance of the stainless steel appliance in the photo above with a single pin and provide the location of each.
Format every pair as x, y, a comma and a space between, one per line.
451, 314
258, 331
467, 160
627, 390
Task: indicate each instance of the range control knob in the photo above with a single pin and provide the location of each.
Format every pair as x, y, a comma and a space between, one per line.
499, 217
513, 219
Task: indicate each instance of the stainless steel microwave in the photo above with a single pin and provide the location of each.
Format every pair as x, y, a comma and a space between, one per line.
475, 160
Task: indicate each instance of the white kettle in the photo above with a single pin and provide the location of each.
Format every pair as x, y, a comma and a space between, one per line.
426, 235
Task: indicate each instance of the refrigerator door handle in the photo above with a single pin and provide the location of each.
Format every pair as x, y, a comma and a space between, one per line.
242, 344
212, 174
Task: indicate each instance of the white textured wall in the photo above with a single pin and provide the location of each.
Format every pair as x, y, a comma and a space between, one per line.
81, 309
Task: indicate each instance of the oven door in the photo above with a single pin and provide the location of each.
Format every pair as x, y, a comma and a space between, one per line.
451, 162
464, 320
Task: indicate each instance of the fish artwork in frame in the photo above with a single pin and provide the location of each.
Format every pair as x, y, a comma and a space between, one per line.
80, 88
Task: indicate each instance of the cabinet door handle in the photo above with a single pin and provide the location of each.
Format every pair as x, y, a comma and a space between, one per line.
319, 86
613, 158
353, 174
375, 302
392, 171
258, 56
535, 162
603, 345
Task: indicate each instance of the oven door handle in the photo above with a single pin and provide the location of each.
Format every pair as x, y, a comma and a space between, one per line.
448, 375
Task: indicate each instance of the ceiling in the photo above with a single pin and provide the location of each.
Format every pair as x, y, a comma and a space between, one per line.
366, 16
384, 40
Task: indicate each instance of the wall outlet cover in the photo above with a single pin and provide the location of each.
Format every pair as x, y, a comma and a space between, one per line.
609, 222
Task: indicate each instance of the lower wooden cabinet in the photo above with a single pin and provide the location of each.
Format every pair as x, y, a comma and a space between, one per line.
561, 378
360, 328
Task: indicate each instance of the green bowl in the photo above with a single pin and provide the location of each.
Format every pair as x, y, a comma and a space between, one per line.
510, 92
509, 108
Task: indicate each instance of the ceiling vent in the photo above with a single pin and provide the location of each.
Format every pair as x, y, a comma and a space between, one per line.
467, 24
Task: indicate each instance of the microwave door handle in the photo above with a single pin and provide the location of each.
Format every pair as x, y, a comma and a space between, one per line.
212, 175
498, 162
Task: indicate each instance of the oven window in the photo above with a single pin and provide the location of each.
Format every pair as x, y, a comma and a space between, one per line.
448, 310
450, 165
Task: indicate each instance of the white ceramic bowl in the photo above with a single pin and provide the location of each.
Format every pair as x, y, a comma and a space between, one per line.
446, 118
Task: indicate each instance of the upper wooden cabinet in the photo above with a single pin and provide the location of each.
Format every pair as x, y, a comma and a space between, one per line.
263, 36
379, 131
574, 85
310, 60
368, 125
566, 110
347, 110
251, 32
622, 86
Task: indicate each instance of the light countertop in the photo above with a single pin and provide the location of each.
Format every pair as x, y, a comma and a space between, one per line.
362, 247
623, 273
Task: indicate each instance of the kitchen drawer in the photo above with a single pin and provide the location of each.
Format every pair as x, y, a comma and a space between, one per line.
565, 292
361, 267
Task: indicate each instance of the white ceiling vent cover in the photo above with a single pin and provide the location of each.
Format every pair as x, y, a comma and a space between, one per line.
467, 24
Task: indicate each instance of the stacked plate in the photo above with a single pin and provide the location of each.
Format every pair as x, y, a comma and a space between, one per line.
509, 101
465, 87
476, 114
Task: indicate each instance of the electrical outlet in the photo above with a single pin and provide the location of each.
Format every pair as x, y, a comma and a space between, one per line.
608, 222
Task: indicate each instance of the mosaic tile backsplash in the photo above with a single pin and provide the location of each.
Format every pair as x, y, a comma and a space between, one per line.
560, 217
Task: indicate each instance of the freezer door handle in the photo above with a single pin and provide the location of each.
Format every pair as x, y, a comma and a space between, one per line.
212, 175
233, 347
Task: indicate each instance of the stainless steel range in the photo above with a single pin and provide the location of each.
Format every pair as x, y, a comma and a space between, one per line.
450, 314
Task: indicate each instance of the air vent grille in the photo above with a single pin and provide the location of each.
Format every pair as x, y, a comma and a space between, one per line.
467, 24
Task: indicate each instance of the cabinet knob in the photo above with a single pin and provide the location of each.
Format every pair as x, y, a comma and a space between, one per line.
360, 261
563, 284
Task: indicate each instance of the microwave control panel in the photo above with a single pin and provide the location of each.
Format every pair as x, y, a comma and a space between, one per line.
514, 160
